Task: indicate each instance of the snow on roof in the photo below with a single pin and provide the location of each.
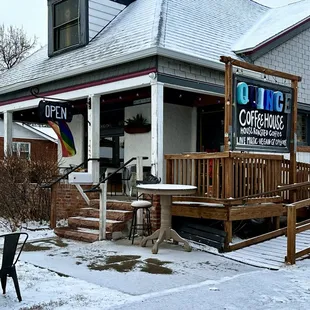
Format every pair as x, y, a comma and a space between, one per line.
45, 132
274, 23
275, 3
201, 28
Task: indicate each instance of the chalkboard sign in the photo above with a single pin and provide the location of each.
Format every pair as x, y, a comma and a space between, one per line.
54, 111
261, 116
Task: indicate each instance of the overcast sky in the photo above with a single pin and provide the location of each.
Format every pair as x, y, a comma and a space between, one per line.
32, 15
29, 14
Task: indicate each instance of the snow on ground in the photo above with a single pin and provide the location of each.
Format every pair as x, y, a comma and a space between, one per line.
64, 274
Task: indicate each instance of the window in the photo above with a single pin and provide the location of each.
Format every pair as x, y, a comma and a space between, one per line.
21, 149
303, 135
68, 25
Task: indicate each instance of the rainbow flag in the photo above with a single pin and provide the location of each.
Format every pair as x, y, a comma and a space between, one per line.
64, 134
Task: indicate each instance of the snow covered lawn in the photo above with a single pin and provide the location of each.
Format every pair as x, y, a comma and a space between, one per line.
63, 274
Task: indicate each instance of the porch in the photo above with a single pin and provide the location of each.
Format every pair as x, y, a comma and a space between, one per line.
233, 187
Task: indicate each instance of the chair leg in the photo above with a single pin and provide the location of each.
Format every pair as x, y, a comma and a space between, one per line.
14, 277
133, 226
3, 282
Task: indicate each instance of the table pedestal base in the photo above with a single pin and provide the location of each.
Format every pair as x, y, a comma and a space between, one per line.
165, 234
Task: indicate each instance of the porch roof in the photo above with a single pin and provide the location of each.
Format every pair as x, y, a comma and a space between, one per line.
202, 29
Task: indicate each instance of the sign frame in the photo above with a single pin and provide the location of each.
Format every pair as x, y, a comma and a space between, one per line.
53, 106
235, 121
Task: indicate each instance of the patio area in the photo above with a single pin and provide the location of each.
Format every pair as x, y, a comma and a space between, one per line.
63, 274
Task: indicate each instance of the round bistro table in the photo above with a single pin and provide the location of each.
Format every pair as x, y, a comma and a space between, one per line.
165, 232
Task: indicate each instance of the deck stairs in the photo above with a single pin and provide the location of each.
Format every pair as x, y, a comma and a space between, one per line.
84, 226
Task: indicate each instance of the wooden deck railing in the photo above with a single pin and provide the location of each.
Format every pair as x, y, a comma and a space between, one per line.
293, 228
232, 174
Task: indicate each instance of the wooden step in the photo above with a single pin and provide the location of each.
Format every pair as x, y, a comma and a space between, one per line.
112, 204
87, 235
116, 215
93, 223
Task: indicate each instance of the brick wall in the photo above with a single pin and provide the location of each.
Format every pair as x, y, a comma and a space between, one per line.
292, 57
38, 148
155, 213
68, 201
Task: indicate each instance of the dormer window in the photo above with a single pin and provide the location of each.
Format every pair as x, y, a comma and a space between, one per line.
68, 25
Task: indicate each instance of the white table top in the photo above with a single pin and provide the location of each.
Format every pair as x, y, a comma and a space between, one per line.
167, 189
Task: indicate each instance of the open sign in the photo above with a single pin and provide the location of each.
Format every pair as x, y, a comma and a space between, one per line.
54, 111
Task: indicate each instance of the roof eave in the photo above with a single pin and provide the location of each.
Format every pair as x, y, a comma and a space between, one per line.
38, 132
153, 51
254, 49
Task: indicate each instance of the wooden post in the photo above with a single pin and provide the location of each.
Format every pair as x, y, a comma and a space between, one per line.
8, 133
53, 206
228, 238
103, 211
93, 117
228, 181
227, 227
169, 171
157, 132
227, 108
291, 234
293, 143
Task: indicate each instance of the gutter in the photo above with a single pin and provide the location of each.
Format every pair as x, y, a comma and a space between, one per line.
152, 51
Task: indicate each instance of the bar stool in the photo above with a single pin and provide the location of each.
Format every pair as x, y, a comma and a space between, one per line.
146, 226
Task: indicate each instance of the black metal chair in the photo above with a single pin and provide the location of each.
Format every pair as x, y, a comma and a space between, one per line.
9, 259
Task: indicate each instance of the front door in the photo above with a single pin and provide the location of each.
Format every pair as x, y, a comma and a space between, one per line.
211, 129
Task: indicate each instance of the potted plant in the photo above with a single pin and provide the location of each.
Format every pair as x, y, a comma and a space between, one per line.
137, 124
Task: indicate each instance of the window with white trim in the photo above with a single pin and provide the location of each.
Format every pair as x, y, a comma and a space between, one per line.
21, 149
67, 25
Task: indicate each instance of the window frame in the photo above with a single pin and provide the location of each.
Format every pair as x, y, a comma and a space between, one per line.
83, 28
18, 147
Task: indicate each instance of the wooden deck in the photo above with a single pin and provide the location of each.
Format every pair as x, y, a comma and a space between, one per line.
268, 254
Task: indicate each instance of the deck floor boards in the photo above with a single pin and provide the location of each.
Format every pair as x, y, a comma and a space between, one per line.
269, 254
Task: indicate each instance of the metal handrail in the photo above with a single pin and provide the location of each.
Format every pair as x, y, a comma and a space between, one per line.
67, 173
96, 187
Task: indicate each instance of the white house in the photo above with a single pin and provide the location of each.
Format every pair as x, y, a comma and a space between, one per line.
116, 59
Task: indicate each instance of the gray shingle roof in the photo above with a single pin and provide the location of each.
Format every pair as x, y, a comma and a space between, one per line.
202, 28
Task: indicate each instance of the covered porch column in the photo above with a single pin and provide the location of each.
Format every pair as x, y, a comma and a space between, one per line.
8, 132
93, 117
157, 132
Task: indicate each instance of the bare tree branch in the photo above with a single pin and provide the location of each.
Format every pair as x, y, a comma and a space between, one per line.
14, 46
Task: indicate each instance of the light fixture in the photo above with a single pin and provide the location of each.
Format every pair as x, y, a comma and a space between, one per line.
152, 75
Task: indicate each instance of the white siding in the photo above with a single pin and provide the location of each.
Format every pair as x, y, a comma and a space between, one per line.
138, 144
292, 57
20, 132
101, 12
